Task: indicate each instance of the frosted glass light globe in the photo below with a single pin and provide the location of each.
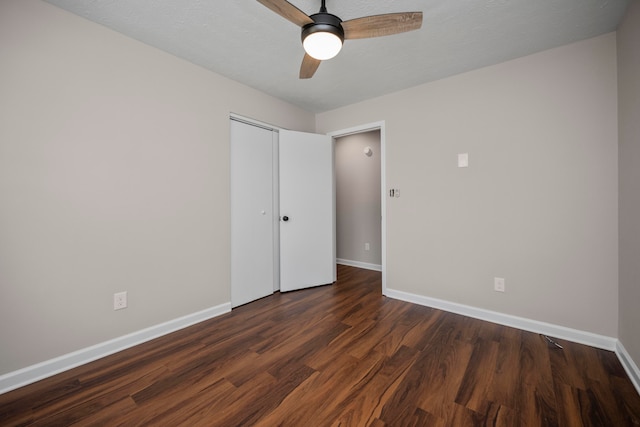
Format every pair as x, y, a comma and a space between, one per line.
322, 45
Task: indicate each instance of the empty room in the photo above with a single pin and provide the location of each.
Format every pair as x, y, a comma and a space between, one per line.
320, 213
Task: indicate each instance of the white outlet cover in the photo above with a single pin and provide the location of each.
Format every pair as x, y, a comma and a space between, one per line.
463, 160
120, 300
498, 284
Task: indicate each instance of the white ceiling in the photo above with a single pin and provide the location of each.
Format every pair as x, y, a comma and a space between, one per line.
245, 41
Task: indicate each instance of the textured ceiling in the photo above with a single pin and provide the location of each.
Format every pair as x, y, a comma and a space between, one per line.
245, 41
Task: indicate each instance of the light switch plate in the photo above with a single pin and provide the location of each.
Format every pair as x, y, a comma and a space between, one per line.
463, 160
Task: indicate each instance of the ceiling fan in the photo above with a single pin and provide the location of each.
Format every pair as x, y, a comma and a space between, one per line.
324, 33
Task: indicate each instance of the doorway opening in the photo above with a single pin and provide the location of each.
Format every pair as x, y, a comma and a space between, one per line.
359, 156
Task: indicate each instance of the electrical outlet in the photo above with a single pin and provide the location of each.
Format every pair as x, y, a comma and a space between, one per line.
367, 247
498, 284
120, 300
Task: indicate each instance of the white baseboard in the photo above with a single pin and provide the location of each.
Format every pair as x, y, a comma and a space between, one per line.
582, 337
359, 264
31, 374
629, 365
48, 368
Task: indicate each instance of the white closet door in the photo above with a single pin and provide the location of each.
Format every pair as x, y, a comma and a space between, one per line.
307, 226
252, 213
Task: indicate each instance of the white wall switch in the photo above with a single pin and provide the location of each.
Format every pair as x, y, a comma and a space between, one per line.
367, 247
120, 300
498, 284
463, 160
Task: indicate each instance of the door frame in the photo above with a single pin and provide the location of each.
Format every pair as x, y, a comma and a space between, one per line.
383, 184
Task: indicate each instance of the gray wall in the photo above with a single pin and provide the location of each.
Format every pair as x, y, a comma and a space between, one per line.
358, 205
629, 130
538, 203
114, 176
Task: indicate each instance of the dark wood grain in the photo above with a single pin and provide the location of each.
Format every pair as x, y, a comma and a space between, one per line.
340, 355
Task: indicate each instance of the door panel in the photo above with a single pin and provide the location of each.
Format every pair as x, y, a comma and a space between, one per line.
252, 213
307, 244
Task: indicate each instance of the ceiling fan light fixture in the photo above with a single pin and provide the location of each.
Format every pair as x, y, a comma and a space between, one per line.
324, 33
322, 45
324, 37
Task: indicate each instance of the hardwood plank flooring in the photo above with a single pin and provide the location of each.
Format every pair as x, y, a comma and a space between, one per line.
340, 355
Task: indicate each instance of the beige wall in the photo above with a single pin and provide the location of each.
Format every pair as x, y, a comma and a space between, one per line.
114, 176
629, 158
358, 205
538, 204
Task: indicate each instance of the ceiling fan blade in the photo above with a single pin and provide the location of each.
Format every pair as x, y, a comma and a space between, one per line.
288, 11
309, 66
381, 25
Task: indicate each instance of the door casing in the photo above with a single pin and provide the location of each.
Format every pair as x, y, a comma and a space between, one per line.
380, 125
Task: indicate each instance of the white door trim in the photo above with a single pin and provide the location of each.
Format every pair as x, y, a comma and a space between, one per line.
383, 183
253, 122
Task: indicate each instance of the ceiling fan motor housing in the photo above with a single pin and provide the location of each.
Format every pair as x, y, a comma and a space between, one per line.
324, 22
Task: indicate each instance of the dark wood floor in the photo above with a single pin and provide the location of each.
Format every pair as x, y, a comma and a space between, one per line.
339, 355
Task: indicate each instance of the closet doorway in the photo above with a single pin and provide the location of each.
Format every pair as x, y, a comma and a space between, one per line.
282, 210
